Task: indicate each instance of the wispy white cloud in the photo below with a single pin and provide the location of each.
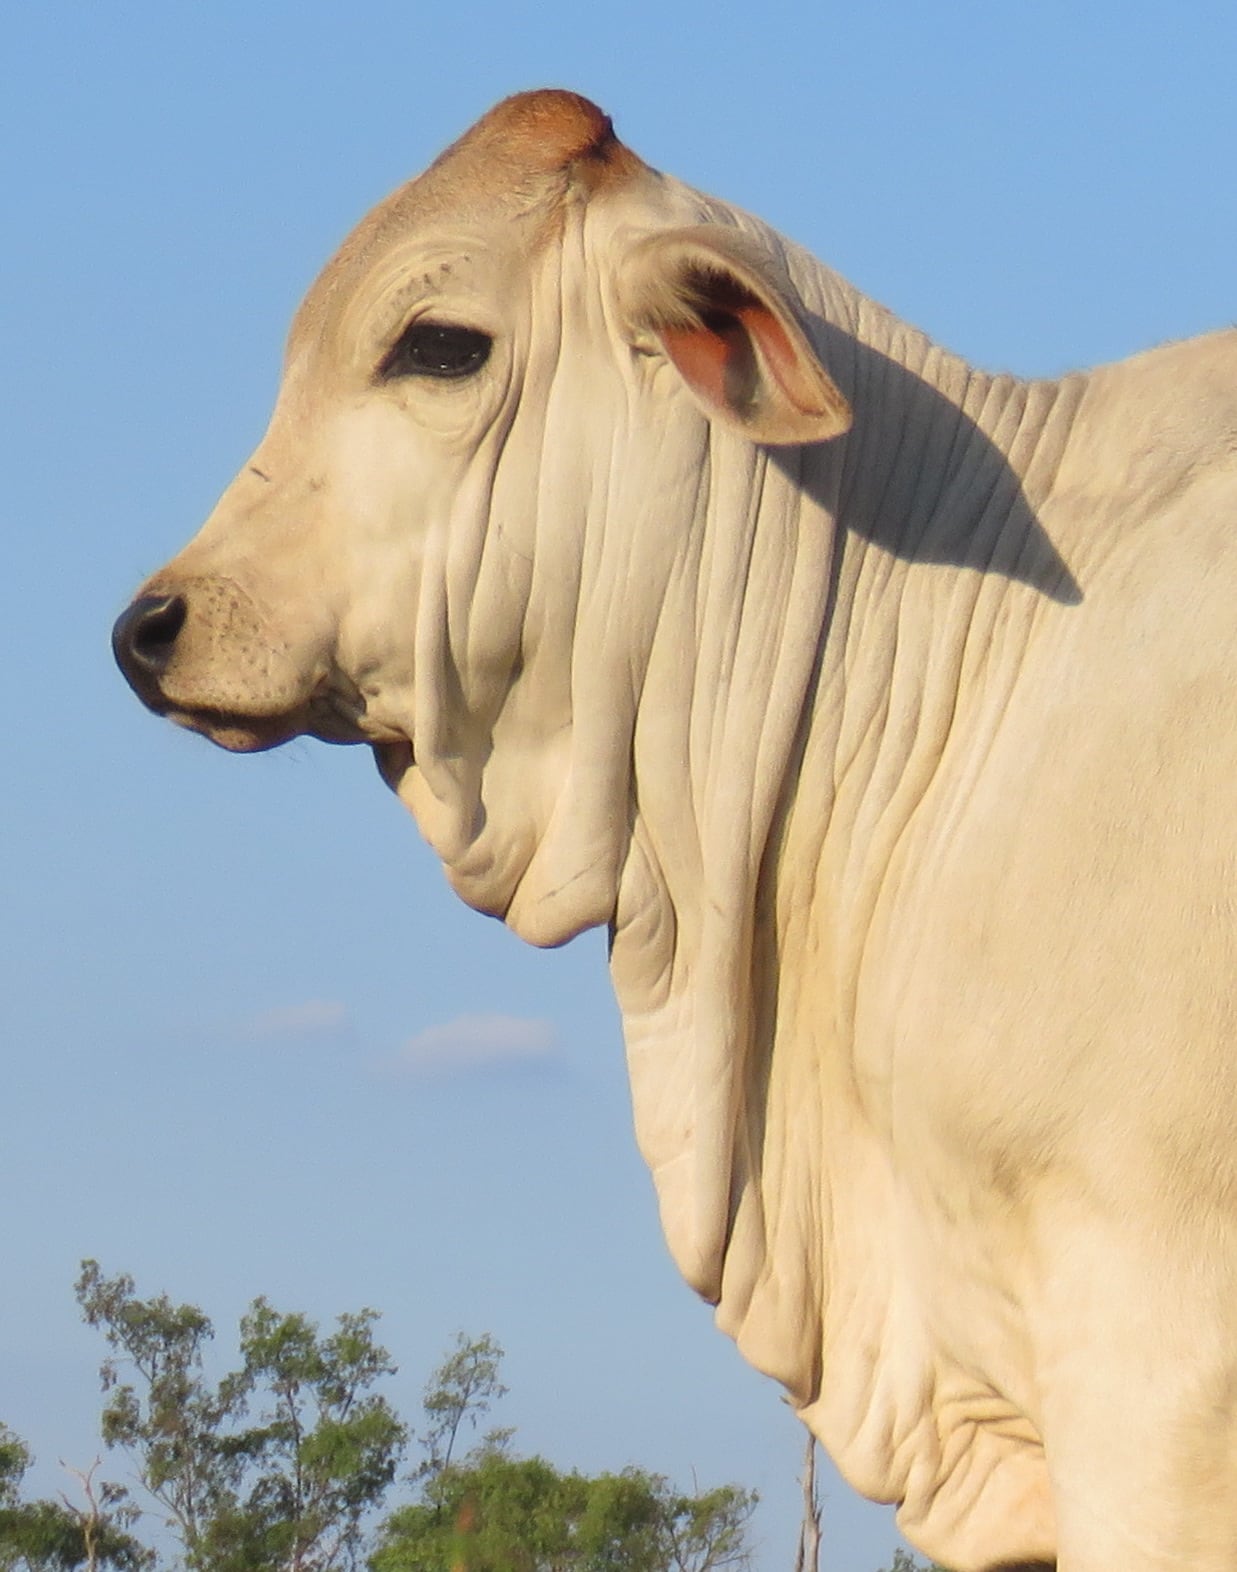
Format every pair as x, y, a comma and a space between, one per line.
312, 1018
477, 1041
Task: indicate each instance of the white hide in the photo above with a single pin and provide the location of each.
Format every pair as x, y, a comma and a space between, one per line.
901, 761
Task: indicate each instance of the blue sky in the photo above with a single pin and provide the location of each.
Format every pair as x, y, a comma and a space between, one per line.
252, 1043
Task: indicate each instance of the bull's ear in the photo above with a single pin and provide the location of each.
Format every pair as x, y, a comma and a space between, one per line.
721, 315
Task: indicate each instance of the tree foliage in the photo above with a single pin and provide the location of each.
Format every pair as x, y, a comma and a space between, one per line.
282, 1464
495, 1513
461, 1391
903, 1561
168, 1417
56, 1536
490, 1511
290, 1490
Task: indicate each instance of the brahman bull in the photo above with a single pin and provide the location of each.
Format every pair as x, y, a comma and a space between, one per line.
884, 710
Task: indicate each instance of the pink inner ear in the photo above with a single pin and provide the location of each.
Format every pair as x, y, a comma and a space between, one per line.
716, 358
779, 352
702, 357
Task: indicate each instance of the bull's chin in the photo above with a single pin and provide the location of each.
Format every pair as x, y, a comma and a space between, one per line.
239, 733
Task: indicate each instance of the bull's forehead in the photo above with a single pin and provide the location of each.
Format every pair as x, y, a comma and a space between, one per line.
520, 161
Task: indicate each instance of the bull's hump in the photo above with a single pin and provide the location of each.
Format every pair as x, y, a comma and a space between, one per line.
550, 127
544, 132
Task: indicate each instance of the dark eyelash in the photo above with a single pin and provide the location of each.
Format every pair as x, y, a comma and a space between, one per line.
436, 349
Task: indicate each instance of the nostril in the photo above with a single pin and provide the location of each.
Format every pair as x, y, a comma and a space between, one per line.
146, 633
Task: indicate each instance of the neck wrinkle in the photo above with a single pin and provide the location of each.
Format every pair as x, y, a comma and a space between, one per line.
940, 569
937, 490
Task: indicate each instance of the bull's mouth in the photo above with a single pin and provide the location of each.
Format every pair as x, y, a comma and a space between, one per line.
322, 717
324, 703
282, 694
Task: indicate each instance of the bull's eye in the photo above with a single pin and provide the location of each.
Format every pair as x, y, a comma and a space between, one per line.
436, 349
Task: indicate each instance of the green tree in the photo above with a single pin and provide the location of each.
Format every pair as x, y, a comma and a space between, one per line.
495, 1513
56, 1536
489, 1511
903, 1561
325, 1450
169, 1417
461, 1390
705, 1532
287, 1492
281, 1464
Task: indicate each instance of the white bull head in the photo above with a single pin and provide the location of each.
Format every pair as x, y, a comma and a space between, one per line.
487, 476
500, 528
